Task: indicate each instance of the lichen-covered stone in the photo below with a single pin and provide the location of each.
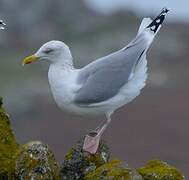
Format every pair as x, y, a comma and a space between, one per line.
115, 171
159, 170
8, 146
78, 163
35, 161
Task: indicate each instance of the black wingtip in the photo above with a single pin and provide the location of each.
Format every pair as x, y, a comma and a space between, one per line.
2, 24
154, 25
164, 11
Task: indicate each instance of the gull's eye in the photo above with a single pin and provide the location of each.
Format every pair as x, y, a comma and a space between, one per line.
47, 51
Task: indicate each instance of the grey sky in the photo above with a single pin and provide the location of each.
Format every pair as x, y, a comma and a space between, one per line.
179, 9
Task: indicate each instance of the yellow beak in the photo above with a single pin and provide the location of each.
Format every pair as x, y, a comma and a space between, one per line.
30, 59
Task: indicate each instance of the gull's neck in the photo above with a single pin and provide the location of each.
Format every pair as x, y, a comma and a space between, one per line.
66, 64
59, 71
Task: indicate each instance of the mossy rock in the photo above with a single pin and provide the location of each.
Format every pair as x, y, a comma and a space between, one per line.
35, 161
78, 163
8, 146
113, 170
159, 170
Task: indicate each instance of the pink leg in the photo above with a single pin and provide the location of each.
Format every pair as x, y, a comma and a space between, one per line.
91, 141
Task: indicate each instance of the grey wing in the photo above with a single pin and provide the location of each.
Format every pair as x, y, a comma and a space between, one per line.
104, 78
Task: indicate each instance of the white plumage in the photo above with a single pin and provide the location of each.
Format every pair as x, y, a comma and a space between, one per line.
104, 85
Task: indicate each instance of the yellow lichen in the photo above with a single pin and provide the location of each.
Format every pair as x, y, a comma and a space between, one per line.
69, 155
8, 145
113, 170
36, 161
159, 170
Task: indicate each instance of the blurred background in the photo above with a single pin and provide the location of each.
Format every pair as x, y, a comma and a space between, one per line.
154, 125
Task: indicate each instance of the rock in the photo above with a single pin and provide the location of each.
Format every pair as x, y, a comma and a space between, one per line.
159, 170
113, 170
8, 146
78, 163
35, 161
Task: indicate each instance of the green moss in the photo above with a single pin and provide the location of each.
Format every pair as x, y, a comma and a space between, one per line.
70, 154
113, 170
77, 163
36, 161
159, 170
8, 146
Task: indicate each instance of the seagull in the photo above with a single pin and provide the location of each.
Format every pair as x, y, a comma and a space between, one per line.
103, 86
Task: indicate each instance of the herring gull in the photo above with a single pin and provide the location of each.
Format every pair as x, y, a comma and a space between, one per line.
102, 86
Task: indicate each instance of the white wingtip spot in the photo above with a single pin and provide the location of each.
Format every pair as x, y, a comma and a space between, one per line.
153, 27
2, 24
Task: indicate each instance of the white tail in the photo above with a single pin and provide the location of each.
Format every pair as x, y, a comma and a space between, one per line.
145, 22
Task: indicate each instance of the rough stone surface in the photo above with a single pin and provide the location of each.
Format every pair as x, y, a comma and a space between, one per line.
35, 161
113, 170
159, 170
8, 146
78, 163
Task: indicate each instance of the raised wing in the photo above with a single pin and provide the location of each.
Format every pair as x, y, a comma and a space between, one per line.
102, 79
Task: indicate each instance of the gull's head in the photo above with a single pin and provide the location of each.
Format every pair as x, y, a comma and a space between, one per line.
52, 51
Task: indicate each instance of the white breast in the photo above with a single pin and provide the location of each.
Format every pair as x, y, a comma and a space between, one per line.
62, 84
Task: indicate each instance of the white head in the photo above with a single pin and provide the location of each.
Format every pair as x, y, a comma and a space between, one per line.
53, 52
